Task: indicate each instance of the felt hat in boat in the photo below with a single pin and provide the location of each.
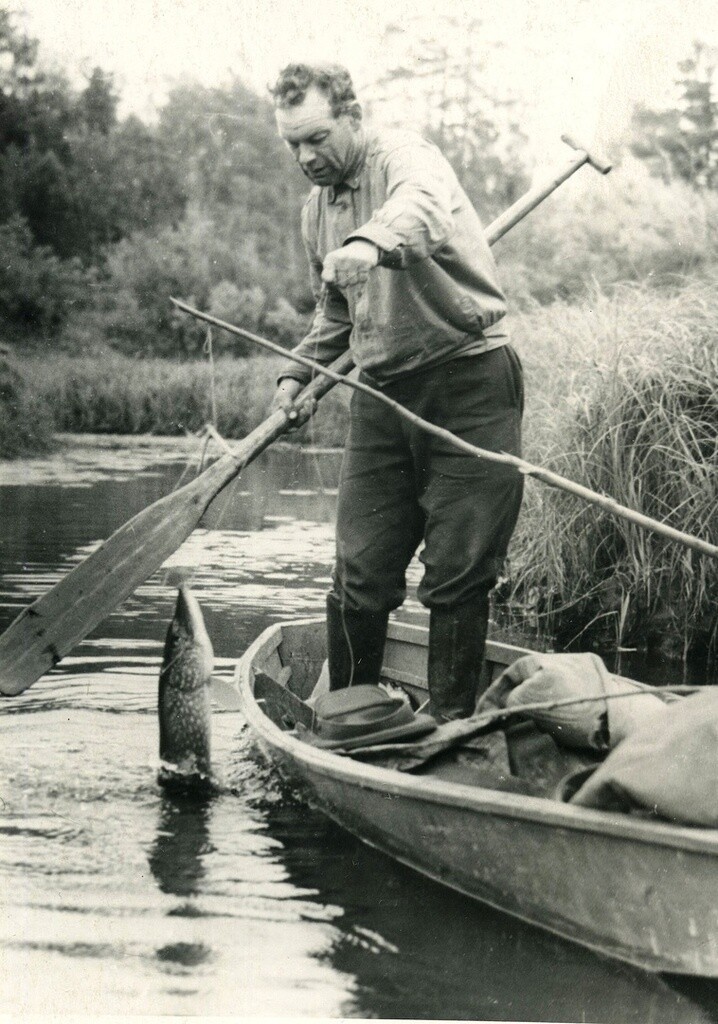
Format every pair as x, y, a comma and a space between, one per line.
362, 715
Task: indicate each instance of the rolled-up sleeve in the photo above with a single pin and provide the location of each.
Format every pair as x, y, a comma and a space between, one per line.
416, 218
331, 326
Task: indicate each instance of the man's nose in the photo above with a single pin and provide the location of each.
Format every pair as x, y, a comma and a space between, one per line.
305, 154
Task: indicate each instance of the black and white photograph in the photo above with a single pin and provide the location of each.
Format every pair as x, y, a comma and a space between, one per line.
359, 510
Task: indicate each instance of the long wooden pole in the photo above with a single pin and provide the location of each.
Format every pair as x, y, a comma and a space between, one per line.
546, 476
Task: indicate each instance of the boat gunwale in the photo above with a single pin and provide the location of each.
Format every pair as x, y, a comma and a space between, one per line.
483, 800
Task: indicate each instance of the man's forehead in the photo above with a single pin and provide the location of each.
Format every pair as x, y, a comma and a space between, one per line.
313, 112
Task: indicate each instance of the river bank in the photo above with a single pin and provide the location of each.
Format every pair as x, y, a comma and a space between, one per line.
622, 396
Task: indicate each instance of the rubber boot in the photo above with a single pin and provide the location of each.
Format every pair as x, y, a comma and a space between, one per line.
457, 642
355, 645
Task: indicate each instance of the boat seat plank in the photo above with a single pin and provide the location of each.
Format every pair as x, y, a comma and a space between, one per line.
280, 705
271, 663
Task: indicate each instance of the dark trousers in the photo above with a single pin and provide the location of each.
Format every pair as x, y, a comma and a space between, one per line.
399, 486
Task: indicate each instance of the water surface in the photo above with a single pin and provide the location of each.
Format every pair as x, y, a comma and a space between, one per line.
120, 899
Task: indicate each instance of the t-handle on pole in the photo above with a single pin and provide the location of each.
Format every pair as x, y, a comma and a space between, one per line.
598, 162
539, 192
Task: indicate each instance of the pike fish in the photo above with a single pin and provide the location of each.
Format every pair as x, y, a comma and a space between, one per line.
184, 698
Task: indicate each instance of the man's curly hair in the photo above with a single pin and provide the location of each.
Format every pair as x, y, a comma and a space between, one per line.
332, 79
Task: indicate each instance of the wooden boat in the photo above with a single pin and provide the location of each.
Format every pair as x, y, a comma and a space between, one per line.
638, 889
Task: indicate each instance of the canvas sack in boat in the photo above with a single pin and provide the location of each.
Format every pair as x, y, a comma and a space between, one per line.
362, 715
669, 768
596, 725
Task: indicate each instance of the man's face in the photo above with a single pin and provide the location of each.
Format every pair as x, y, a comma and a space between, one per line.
321, 144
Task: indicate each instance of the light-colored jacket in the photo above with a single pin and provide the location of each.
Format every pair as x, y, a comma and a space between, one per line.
435, 293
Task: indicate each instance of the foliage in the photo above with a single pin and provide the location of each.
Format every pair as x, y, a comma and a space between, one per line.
236, 251
196, 262
626, 227
682, 142
239, 173
26, 422
78, 177
633, 414
37, 290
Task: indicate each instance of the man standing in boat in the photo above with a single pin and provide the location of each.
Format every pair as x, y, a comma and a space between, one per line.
403, 275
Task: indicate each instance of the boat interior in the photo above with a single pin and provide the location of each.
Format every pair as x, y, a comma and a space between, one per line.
517, 757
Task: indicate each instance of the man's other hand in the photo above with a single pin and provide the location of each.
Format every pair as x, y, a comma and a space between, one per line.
287, 391
350, 264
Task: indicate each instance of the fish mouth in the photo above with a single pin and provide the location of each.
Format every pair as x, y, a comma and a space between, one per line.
188, 614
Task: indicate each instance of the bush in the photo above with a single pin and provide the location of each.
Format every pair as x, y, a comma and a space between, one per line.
198, 262
606, 231
37, 289
26, 423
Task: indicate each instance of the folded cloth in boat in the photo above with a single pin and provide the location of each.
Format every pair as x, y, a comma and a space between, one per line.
671, 770
596, 725
362, 715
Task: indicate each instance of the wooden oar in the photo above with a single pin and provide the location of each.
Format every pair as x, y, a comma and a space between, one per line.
546, 476
48, 629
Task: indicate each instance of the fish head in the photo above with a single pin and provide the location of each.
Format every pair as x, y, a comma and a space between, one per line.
188, 620
188, 656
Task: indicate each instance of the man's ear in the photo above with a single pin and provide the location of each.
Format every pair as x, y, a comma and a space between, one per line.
355, 113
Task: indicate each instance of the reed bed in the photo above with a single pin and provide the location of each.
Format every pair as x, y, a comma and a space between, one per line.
118, 395
624, 399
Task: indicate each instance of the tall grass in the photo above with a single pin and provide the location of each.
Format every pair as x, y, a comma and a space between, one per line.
624, 399
117, 395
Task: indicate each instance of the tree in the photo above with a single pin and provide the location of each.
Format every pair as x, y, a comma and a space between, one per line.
18, 56
37, 290
208, 195
437, 79
682, 141
98, 103
239, 174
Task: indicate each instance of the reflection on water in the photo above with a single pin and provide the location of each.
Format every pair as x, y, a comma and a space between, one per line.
418, 950
177, 854
121, 899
